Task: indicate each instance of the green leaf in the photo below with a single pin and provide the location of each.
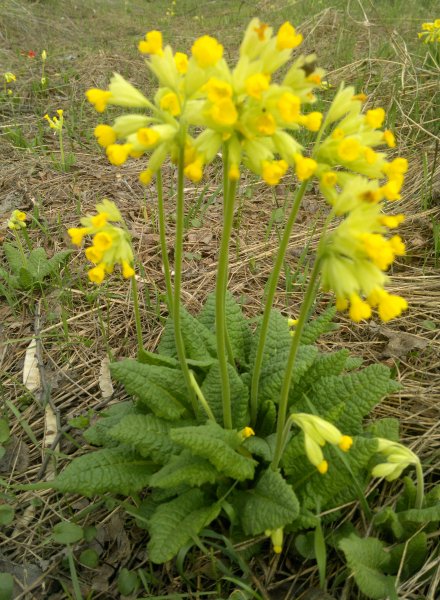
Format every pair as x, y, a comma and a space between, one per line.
57, 260
6, 586
6, 514
317, 327
128, 582
347, 399
200, 343
89, 558
160, 388
270, 505
147, 434
259, 447
212, 390
160, 360
413, 553
4, 431
14, 257
367, 559
267, 415
38, 264
97, 434
338, 485
240, 335
175, 523
421, 515
25, 279
324, 365
275, 356
185, 469
218, 446
387, 520
115, 470
67, 533
387, 428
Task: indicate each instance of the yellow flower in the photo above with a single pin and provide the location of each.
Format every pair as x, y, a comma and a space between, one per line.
152, 43
77, 234
146, 176
118, 153
127, 270
56, 122
276, 536
17, 220
181, 62
224, 112
266, 124
102, 241
9, 77
44, 55
97, 274
93, 254
317, 432
207, 51
389, 138
170, 103
312, 121
359, 309
287, 38
389, 305
194, 171
105, 135
256, 84
375, 117
305, 167
246, 432
289, 107
99, 98
147, 137
349, 149
273, 171
217, 89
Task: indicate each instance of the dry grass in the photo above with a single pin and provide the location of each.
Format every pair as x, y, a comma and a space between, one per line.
78, 327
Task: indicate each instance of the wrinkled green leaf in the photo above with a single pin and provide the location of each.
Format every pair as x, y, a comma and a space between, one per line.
114, 470
185, 469
212, 391
162, 389
174, 523
270, 505
367, 559
218, 446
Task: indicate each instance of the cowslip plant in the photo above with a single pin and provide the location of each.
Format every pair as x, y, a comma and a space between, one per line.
225, 414
29, 267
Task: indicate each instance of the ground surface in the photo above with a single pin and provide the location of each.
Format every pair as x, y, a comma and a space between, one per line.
370, 44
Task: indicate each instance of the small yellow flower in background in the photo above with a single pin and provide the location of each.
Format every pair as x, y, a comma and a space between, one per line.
152, 43
44, 55
398, 458
276, 536
111, 245
56, 123
317, 432
9, 77
431, 32
246, 432
17, 220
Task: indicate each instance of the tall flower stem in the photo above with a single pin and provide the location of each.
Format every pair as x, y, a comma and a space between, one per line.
309, 296
163, 241
271, 289
137, 314
420, 486
62, 159
220, 295
178, 251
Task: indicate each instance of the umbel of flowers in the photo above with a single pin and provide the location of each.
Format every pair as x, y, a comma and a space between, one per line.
253, 116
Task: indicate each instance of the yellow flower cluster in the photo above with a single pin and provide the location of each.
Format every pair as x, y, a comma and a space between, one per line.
356, 180
9, 77
255, 118
241, 108
17, 220
110, 244
317, 432
398, 458
431, 32
56, 123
